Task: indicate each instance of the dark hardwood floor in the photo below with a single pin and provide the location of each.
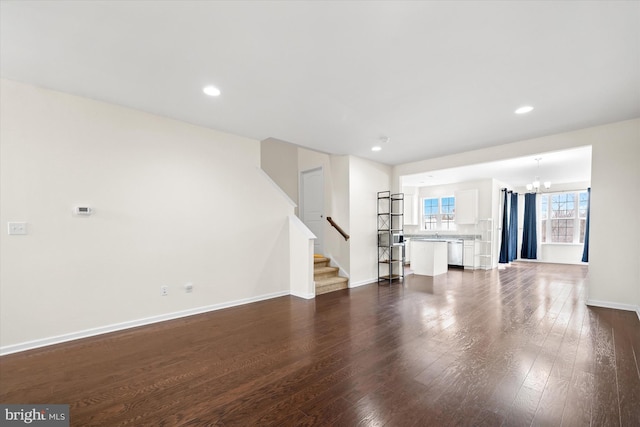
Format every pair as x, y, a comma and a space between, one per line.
510, 347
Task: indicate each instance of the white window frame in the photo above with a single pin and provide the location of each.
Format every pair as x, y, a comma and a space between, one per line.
576, 218
439, 222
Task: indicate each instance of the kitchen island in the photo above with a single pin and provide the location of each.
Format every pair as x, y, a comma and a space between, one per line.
428, 257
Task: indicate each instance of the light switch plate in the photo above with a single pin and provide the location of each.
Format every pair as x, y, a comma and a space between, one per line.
17, 228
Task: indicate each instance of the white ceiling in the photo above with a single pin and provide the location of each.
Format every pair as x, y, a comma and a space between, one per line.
437, 78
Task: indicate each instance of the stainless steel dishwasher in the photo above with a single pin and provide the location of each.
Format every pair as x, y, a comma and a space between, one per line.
455, 249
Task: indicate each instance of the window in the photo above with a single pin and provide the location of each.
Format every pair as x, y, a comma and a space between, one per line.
583, 204
439, 213
448, 210
544, 215
431, 211
563, 217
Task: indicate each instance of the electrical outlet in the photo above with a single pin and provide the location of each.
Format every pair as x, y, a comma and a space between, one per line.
164, 290
15, 228
188, 287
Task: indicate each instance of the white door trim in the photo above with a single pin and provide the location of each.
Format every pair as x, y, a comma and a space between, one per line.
319, 231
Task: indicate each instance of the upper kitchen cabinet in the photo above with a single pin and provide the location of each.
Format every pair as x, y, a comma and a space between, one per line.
411, 206
466, 206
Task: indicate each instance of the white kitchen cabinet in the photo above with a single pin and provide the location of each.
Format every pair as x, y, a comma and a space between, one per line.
410, 209
466, 206
429, 257
469, 254
407, 251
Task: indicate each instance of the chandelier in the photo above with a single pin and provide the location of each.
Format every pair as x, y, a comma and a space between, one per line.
535, 185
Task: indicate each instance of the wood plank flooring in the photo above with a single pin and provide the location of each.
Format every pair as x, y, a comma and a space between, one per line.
513, 347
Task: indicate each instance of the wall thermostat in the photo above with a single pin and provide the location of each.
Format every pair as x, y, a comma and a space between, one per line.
83, 210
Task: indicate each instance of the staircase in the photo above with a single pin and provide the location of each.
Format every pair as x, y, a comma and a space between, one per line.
326, 278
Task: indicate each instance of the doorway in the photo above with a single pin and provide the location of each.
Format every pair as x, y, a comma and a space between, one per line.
312, 205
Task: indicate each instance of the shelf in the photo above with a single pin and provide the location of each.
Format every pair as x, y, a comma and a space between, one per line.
392, 277
390, 224
485, 242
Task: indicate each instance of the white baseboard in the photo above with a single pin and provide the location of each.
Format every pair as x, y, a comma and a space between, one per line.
303, 295
58, 339
615, 305
362, 282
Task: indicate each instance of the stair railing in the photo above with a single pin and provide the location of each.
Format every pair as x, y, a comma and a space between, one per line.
337, 227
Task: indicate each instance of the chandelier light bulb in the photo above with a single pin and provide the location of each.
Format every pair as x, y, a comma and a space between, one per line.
535, 185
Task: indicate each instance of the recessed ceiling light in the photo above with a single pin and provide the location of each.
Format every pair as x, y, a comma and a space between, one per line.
376, 148
524, 109
211, 91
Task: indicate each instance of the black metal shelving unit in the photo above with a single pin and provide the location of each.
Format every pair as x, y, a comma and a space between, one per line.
390, 236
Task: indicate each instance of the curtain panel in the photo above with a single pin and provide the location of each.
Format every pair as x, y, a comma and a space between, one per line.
504, 245
529, 233
585, 251
513, 227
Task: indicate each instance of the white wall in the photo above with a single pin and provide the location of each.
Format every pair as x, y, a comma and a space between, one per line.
174, 203
336, 194
279, 160
337, 247
350, 191
301, 259
485, 202
557, 253
366, 179
615, 220
284, 162
561, 141
615, 179
350, 187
